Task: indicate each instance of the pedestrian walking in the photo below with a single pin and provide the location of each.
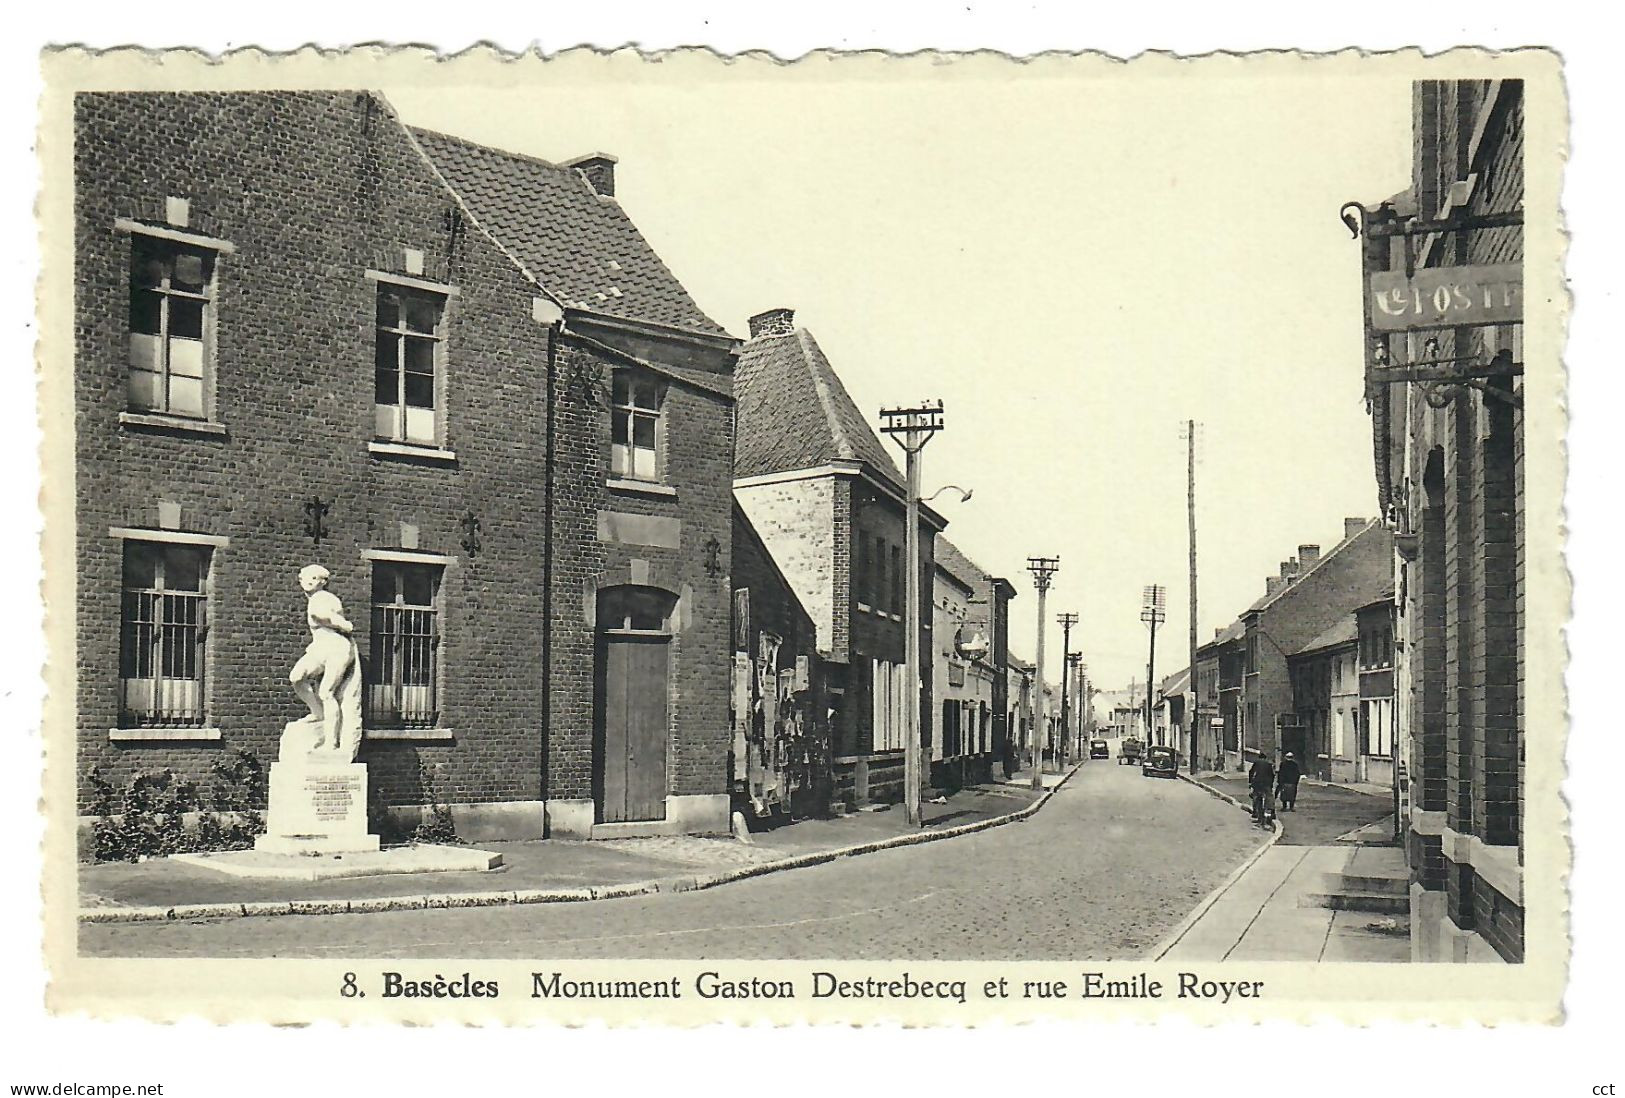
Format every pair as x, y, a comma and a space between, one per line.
1286, 782
1261, 779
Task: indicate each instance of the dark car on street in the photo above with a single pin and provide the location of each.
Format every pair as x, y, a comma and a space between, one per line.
1130, 750
1160, 762
1100, 749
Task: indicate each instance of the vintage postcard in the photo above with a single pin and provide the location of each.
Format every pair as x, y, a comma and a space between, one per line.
676, 539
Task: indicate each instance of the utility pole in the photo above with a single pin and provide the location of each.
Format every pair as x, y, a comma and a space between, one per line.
1067, 621
1153, 611
1074, 731
1190, 522
912, 428
1043, 569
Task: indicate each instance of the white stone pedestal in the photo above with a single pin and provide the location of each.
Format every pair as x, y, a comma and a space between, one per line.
317, 808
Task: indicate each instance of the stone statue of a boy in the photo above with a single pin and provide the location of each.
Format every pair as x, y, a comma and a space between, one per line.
327, 678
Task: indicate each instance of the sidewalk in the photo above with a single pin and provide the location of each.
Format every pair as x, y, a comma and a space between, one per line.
1271, 912
545, 870
1324, 812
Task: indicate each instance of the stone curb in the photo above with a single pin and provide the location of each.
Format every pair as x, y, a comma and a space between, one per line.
1171, 939
687, 883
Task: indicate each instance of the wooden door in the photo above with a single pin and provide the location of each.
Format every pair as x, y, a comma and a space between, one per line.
632, 718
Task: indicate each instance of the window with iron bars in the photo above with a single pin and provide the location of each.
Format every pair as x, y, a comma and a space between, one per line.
403, 673
163, 630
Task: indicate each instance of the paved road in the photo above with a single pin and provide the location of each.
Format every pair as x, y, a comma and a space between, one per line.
1323, 813
1107, 867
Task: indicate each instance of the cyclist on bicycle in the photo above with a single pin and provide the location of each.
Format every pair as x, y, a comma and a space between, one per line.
1261, 779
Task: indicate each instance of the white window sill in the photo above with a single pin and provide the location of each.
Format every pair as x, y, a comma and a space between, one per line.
379, 448
416, 735
177, 425
161, 735
863, 606
641, 487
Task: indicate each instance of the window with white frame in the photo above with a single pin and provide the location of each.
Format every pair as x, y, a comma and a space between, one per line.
404, 672
163, 630
887, 681
408, 362
171, 301
635, 428
1379, 727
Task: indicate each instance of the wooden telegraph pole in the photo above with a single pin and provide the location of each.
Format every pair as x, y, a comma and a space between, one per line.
1190, 521
1043, 569
912, 428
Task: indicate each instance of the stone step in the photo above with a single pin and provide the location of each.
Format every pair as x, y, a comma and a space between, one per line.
1382, 902
1357, 882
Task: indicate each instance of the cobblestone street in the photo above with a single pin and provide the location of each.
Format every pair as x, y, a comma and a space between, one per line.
1112, 863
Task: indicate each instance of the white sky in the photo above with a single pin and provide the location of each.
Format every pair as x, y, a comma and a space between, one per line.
1075, 267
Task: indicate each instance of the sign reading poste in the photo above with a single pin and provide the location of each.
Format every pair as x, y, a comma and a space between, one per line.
1446, 297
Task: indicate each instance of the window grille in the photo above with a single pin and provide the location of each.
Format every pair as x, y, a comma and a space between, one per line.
164, 627
403, 676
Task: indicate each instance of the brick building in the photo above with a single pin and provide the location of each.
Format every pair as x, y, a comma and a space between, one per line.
1312, 592
780, 761
461, 380
1220, 668
970, 653
1325, 704
1444, 388
828, 502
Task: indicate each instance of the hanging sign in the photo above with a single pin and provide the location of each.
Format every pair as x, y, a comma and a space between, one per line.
1446, 297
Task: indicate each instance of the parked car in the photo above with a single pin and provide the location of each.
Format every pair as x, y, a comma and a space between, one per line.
1130, 750
1100, 749
1160, 762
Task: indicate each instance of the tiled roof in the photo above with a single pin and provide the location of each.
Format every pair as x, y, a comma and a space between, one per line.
1175, 683
794, 413
580, 246
1234, 631
1344, 631
1281, 592
957, 564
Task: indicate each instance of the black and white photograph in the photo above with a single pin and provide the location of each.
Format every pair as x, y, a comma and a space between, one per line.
930, 539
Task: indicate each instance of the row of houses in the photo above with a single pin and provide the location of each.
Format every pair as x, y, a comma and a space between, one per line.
1398, 657
612, 570
1289, 674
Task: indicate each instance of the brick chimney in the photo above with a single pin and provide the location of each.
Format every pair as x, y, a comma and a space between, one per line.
599, 168
774, 322
1308, 554
1289, 570
1273, 584
1352, 526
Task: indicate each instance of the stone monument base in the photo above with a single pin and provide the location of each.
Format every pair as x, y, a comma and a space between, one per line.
317, 808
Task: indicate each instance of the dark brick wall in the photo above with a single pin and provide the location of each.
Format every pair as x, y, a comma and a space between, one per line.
313, 189
698, 452
1343, 580
1467, 593
873, 635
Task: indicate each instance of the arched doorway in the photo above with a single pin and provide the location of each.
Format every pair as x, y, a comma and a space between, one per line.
632, 689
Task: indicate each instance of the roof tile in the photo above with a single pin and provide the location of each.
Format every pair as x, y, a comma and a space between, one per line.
565, 234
